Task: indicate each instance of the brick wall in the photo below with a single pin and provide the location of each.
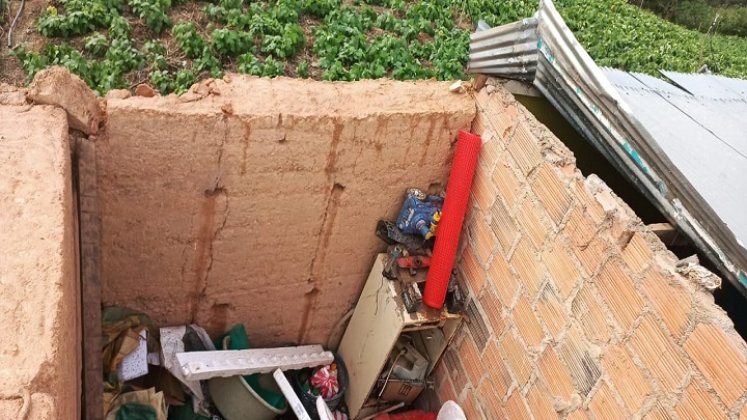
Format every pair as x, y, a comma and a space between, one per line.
575, 310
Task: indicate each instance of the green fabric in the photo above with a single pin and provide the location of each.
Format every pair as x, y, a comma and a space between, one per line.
135, 411
239, 340
185, 412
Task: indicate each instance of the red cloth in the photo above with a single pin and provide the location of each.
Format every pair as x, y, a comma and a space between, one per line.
325, 380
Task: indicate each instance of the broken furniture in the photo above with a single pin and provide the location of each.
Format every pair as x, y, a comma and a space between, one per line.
406, 372
379, 322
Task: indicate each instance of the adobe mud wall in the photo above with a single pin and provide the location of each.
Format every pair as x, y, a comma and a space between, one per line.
40, 366
576, 310
254, 200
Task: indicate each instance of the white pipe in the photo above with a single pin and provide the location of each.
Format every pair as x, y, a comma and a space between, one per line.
290, 395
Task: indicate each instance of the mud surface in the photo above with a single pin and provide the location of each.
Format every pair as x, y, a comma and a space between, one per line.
39, 356
255, 200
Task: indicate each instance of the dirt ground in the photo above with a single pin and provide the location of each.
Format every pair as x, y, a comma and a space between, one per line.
24, 32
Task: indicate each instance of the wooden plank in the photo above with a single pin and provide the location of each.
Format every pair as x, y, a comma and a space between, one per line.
668, 234
90, 278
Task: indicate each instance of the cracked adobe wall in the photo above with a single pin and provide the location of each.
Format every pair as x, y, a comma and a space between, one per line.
40, 360
576, 311
253, 200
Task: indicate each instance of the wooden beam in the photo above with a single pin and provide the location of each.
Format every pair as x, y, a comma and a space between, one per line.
668, 234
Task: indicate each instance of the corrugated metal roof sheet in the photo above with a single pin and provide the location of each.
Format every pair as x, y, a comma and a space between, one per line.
510, 49
709, 85
681, 144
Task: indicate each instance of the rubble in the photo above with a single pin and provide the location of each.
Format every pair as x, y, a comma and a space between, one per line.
57, 86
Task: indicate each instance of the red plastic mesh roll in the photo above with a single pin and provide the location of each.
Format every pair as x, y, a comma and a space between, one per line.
452, 217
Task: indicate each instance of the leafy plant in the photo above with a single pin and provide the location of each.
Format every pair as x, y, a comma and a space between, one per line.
31, 61
302, 69
231, 43
96, 45
123, 56
319, 8
208, 62
286, 44
272, 67
249, 64
162, 80
356, 40
152, 48
184, 79
80, 17
119, 28
189, 39
152, 12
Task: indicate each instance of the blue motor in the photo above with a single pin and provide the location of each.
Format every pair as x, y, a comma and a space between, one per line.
420, 213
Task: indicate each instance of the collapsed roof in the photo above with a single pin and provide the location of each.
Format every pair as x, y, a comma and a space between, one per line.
680, 141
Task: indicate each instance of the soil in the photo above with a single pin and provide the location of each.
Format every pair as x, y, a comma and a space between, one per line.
24, 32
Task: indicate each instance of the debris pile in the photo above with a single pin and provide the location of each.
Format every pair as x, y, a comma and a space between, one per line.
181, 373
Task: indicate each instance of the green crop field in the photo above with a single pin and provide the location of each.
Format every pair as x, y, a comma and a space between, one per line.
118, 43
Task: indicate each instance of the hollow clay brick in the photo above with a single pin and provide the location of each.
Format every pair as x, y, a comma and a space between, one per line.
670, 298
493, 363
528, 267
517, 358
604, 407
721, 363
528, 216
697, 403
505, 179
551, 192
526, 323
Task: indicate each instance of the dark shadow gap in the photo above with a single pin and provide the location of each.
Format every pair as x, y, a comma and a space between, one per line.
590, 161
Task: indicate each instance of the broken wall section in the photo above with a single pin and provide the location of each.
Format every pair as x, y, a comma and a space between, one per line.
575, 308
255, 200
40, 358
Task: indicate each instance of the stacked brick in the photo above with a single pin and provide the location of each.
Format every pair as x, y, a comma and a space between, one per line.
574, 308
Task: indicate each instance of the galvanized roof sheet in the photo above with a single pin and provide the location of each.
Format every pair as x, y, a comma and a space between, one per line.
681, 143
698, 137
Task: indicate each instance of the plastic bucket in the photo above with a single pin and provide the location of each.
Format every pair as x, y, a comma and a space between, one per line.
236, 400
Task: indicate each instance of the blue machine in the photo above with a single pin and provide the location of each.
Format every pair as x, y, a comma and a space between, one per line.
420, 213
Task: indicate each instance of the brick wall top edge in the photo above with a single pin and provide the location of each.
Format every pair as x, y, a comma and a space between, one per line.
256, 96
617, 214
618, 219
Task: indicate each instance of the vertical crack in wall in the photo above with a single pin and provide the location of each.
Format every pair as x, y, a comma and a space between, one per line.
209, 229
325, 231
245, 146
428, 139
